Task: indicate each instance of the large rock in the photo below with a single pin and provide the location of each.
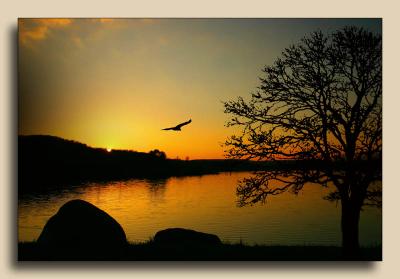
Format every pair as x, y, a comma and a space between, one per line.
80, 230
185, 237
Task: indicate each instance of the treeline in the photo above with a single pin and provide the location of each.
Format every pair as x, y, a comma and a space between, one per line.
48, 161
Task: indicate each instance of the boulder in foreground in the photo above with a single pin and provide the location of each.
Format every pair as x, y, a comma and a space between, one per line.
80, 230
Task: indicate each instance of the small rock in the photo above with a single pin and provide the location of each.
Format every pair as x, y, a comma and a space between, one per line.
185, 237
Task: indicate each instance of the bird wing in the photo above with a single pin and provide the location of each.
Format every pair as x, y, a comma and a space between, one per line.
183, 124
178, 127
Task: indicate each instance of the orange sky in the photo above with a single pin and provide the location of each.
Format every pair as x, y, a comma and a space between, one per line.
115, 83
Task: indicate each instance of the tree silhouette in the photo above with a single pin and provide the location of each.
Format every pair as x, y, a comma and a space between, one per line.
158, 154
320, 104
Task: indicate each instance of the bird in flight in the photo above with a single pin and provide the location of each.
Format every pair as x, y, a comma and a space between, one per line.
178, 127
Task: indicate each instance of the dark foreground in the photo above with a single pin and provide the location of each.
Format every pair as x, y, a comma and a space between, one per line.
149, 251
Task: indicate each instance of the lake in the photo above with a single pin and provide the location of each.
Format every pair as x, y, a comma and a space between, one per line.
205, 203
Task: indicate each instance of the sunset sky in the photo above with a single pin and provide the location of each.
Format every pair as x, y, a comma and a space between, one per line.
115, 83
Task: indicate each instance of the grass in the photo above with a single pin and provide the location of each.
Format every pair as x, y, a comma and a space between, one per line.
150, 251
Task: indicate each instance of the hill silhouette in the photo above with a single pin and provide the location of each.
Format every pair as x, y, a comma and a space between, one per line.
47, 161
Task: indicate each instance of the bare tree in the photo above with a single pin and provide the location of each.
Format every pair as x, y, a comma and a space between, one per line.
319, 103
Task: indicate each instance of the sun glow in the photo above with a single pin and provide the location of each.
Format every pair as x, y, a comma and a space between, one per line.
103, 78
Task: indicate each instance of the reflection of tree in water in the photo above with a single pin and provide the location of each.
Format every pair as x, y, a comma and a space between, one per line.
157, 189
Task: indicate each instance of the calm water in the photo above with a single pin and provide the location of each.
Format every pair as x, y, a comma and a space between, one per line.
205, 203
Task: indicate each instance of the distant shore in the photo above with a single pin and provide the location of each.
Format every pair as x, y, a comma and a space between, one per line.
29, 251
46, 162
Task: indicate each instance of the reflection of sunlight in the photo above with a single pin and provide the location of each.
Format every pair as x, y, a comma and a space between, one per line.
157, 189
208, 204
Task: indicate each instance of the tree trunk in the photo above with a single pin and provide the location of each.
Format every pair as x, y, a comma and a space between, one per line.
350, 220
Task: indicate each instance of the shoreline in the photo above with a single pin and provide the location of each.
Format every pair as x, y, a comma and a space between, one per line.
150, 251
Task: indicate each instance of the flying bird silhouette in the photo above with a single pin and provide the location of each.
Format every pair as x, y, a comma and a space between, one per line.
179, 126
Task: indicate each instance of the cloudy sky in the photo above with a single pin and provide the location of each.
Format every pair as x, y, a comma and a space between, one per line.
115, 83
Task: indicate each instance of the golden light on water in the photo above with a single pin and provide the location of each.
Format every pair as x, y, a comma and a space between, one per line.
143, 207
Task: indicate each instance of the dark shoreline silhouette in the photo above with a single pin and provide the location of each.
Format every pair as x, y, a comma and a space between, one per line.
46, 162
150, 251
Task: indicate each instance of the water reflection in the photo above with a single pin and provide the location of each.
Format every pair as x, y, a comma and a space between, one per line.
157, 189
205, 203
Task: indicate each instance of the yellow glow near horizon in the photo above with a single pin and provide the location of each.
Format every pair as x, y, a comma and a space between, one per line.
118, 82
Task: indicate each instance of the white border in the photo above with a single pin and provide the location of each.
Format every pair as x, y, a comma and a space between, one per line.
11, 10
